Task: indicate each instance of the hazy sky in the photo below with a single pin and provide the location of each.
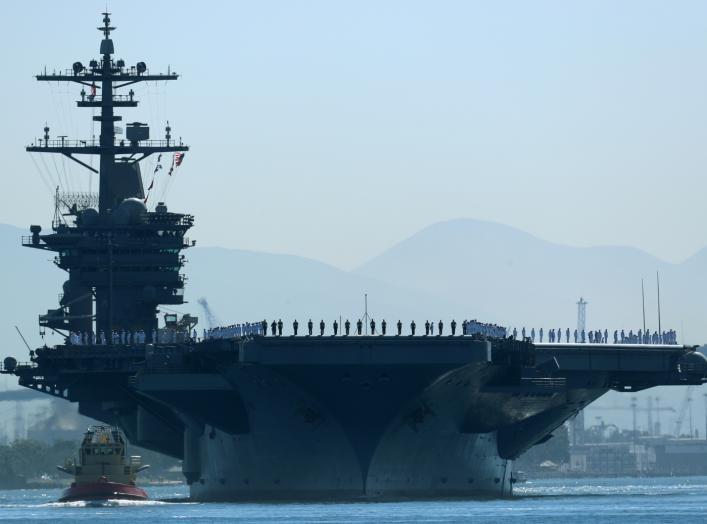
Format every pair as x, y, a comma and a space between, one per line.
334, 129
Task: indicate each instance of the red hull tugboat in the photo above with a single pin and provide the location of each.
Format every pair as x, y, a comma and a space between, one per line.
102, 471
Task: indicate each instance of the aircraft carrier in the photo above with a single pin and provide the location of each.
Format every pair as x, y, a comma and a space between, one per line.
255, 417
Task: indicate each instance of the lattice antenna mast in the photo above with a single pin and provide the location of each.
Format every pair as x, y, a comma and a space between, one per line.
119, 171
581, 315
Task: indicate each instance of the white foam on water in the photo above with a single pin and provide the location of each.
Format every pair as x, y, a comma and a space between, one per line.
109, 503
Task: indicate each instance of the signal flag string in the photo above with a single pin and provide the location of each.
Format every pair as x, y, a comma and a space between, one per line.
177, 160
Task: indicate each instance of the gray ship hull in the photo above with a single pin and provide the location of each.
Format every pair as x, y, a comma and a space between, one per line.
345, 422
321, 465
362, 441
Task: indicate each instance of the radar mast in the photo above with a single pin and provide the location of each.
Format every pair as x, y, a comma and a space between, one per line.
119, 171
122, 260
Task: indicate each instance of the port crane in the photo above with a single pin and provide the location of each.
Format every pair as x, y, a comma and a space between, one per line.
685, 406
650, 409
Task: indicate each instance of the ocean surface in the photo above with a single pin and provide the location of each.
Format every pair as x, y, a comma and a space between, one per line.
593, 501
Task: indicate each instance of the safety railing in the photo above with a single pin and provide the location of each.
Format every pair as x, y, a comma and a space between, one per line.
53, 143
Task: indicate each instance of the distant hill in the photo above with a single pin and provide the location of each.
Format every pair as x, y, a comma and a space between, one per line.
239, 286
460, 268
521, 280
248, 286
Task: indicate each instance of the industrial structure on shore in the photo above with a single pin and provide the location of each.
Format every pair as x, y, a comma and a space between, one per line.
261, 417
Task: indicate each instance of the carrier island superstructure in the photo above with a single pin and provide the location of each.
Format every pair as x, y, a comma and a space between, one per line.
292, 417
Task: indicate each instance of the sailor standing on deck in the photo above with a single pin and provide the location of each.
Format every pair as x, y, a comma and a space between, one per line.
567, 335
336, 327
373, 327
427, 327
400, 327
279, 328
264, 323
321, 327
439, 328
453, 325
359, 326
383, 327
347, 326
273, 326
310, 326
412, 328
295, 325
532, 335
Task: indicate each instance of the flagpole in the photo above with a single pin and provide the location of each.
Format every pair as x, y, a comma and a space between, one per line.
657, 281
643, 300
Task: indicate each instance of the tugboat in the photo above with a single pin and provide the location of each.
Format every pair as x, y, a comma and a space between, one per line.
102, 471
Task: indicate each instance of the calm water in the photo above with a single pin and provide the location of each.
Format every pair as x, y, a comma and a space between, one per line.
593, 501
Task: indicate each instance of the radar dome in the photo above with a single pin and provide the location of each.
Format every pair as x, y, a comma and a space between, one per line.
10, 364
130, 211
